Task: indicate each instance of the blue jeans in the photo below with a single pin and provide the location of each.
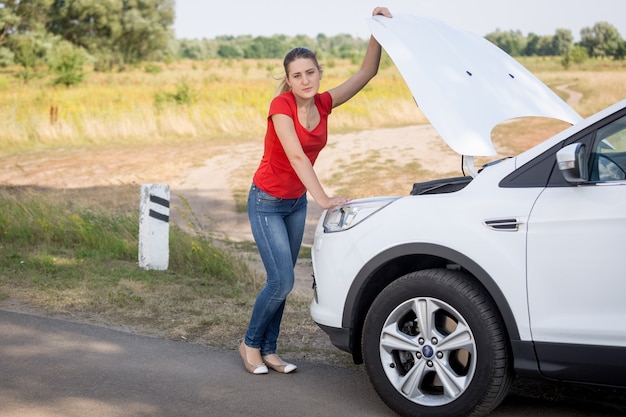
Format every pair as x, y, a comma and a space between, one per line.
277, 226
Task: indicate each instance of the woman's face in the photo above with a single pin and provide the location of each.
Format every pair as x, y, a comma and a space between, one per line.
304, 77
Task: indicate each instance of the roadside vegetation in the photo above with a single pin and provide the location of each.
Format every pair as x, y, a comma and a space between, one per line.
73, 255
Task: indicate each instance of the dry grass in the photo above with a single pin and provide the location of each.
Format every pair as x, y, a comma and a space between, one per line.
226, 99
209, 100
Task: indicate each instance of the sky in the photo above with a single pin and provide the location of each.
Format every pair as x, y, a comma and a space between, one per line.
197, 19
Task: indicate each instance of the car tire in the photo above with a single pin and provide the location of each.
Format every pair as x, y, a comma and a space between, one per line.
458, 365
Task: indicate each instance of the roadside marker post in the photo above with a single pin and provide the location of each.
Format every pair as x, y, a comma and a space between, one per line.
154, 226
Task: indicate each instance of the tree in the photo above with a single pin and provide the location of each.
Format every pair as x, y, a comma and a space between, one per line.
119, 31
7, 57
511, 42
9, 19
145, 29
544, 47
191, 49
23, 39
264, 47
532, 45
22, 17
576, 55
256, 49
601, 40
30, 53
562, 41
541, 46
621, 51
229, 51
345, 46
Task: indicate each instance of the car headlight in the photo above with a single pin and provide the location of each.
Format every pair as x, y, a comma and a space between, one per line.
344, 217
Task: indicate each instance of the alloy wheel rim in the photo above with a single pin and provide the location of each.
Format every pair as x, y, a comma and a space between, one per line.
428, 351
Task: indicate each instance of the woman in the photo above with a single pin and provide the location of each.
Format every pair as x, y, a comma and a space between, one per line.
296, 133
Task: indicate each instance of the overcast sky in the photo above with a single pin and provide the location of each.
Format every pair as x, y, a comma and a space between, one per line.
210, 18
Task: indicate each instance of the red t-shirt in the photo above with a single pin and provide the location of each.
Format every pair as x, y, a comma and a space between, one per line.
275, 174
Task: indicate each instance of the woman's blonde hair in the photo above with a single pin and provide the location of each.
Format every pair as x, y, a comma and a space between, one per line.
292, 55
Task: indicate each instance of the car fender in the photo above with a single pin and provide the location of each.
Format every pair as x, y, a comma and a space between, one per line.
369, 272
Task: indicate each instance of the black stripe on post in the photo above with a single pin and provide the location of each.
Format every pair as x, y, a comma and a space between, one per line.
163, 217
160, 201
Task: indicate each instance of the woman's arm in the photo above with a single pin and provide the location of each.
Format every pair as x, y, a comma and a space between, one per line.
368, 70
301, 163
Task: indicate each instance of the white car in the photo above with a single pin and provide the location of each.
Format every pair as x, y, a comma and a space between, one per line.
445, 294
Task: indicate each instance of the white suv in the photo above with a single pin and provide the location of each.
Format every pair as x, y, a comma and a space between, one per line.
445, 293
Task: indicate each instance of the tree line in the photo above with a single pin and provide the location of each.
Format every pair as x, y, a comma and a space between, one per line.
274, 47
599, 41
602, 40
65, 35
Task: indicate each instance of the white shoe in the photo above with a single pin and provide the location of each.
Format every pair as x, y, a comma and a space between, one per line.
276, 363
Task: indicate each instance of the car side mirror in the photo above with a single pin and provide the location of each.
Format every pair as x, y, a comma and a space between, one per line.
571, 163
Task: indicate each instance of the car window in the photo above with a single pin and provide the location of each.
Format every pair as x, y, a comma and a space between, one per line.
608, 159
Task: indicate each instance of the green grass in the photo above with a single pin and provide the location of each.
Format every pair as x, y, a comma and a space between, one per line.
64, 257
63, 254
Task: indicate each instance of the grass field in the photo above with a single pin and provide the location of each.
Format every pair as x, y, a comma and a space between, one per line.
73, 252
210, 100
225, 100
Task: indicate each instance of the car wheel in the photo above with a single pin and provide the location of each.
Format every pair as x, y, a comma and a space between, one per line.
434, 344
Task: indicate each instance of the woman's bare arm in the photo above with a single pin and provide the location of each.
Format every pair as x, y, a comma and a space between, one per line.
366, 72
300, 162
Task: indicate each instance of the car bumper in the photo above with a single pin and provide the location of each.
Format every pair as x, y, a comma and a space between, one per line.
339, 337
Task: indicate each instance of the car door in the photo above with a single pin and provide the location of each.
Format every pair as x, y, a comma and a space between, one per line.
576, 270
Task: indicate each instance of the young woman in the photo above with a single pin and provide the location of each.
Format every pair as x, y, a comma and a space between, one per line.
296, 132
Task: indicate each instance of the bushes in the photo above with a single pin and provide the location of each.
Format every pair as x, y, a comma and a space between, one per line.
576, 55
67, 65
182, 96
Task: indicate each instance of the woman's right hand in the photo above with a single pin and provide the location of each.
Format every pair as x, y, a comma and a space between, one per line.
333, 201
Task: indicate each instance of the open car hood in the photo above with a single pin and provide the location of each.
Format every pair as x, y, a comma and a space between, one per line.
464, 84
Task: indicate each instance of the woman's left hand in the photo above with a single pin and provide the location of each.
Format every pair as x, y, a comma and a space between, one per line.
382, 11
